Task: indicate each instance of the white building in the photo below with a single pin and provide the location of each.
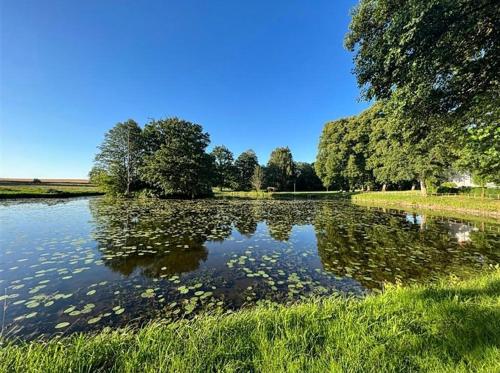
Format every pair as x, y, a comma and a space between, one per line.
465, 180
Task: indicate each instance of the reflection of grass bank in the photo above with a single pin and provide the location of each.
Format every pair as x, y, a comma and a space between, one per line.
451, 326
46, 190
457, 203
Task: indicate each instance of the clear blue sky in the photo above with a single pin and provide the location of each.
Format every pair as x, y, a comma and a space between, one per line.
255, 74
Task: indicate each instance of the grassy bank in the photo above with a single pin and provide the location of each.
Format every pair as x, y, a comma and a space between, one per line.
48, 190
460, 203
452, 326
262, 195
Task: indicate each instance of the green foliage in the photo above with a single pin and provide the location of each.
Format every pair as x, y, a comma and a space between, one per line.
448, 187
280, 168
257, 179
330, 163
343, 152
480, 153
245, 166
381, 147
452, 326
116, 165
388, 151
176, 161
436, 56
327, 162
103, 180
306, 178
403, 149
449, 184
224, 170
435, 64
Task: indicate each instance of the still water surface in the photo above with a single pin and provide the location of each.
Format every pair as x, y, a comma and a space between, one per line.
88, 263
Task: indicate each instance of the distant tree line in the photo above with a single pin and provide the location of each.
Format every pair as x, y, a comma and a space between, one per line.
432, 68
169, 158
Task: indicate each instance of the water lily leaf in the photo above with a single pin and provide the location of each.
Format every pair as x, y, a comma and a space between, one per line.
62, 325
94, 320
183, 290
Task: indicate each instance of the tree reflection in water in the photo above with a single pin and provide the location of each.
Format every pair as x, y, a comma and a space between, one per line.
374, 246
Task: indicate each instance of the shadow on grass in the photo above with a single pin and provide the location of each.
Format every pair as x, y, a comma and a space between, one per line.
460, 325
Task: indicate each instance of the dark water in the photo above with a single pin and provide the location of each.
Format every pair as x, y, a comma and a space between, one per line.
84, 264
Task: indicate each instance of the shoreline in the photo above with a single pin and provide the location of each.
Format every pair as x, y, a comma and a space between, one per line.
482, 207
416, 206
49, 195
403, 200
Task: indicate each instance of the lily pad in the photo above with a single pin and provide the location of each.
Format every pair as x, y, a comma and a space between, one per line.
62, 325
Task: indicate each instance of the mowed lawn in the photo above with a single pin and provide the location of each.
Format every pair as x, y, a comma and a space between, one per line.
16, 190
451, 326
455, 202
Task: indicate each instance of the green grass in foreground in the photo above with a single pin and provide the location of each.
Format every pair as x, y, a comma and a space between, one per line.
452, 326
46, 190
452, 202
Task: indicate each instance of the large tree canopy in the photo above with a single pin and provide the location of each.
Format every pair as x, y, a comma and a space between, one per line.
224, 171
401, 150
437, 56
280, 168
306, 177
245, 166
177, 162
257, 178
379, 147
343, 153
116, 165
480, 153
330, 161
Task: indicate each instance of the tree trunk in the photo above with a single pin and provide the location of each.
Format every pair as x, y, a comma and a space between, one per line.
384, 187
412, 187
482, 191
423, 188
368, 188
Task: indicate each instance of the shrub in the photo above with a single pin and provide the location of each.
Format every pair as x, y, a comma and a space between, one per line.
448, 187
449, 184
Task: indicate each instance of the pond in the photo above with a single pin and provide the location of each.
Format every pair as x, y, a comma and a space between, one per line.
88, 263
